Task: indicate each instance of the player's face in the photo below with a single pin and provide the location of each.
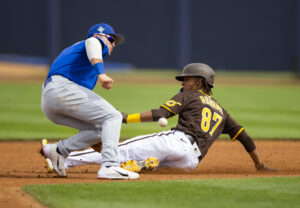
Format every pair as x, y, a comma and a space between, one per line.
109, 41
188, 83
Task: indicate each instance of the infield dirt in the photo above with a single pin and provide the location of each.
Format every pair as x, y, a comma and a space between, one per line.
21, 164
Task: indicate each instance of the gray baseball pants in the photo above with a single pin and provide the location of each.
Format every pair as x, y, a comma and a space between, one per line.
67, 103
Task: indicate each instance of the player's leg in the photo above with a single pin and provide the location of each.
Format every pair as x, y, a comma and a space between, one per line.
171, 148
50, 150
53, 94
80, 103
65, 98
85, 157
55, 114
187, 158
138, 148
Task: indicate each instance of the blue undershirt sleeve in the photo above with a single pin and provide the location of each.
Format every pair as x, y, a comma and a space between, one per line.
99, 68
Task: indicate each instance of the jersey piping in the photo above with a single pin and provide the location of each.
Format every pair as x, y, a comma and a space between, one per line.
237, 134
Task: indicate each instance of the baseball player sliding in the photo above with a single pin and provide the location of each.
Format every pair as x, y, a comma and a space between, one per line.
201, 120
68, 99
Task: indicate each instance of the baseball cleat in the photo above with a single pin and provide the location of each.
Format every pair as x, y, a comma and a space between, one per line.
48, 163
44, 142
54, 160
116, 172
150, 164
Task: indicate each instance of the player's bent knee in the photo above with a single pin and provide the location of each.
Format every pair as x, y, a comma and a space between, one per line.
115, 117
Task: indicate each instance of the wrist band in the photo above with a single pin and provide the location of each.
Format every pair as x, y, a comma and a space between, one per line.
134, 118
99, 68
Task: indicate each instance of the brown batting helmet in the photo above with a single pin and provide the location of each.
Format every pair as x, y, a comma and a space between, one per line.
198, 70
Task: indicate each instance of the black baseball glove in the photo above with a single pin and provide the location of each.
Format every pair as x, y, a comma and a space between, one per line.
125, 115
97, 147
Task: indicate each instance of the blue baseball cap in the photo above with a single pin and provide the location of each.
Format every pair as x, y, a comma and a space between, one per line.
104, 28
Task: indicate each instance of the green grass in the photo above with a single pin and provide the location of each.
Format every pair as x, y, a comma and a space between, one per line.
21, 116
266, 112
251, 192
270, 112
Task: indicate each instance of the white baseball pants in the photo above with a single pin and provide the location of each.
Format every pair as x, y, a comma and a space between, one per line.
67, 103
172, 148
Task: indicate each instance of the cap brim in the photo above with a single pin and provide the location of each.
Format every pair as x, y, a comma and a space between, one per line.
119, 38
179, 78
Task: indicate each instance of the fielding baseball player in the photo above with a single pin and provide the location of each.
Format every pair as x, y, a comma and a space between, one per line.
68, 99
201, 120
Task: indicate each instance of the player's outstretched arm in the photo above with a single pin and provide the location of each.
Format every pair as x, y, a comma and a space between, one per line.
258, 162
138, 117
147, 116
250, 147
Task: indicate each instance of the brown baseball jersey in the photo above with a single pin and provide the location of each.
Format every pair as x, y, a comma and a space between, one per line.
200, 116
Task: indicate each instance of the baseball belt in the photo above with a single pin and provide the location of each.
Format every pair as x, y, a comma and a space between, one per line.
191, 138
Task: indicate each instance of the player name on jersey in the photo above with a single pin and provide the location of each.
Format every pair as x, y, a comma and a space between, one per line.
207, 100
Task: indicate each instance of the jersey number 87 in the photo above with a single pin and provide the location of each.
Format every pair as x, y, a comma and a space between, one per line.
206, 120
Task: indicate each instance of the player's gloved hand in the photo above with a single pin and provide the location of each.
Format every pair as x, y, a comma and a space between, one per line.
97, 147
125, 115
262, 167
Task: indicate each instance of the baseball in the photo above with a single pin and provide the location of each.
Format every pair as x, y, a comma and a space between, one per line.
163, 122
